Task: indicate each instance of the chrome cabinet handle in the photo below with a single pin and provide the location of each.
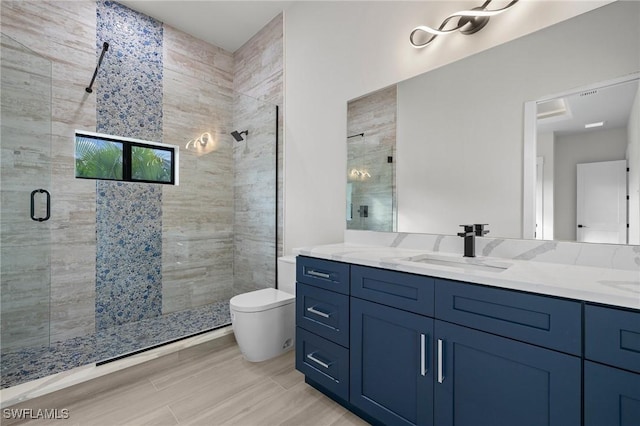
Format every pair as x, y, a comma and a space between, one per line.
423, 355
320, 313
317, 361
440, 362
315, 273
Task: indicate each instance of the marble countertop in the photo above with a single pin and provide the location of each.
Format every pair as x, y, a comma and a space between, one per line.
616, 287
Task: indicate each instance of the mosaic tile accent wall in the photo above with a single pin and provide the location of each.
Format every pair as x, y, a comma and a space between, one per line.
130, 78
128, 215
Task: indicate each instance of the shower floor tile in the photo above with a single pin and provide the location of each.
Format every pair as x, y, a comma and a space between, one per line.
36, 362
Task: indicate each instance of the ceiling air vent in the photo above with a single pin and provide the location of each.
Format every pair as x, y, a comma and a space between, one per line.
589, 92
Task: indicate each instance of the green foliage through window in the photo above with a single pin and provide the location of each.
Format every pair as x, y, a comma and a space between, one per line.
109, 157
150, 164
98, 159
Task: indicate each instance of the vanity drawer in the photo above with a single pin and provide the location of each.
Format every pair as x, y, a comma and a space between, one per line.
539, 320
322, 273
612, 336
323, 362
323, 312
409, 292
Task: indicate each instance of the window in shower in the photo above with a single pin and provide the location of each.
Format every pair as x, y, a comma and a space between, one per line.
107, 157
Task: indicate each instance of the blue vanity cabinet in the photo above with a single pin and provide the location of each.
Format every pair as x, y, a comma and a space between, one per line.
505, 357
403, 349
611, 396
612, 366
322, 324
391, 337
484, 379
391, 364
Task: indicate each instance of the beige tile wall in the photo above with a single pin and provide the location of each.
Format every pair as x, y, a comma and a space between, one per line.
65, 33
197, 223
258, 73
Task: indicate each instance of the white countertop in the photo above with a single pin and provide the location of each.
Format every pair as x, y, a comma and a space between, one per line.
616, 287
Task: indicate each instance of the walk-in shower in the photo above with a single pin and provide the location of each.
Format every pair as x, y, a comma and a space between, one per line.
120, 267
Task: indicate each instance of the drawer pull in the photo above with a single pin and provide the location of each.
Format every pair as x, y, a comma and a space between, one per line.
317, 274
440, 362
423, 355
313, 310
317, 361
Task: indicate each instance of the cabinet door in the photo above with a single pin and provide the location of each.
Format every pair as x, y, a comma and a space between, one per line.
612, 336
482, 379
391, 364
611, 396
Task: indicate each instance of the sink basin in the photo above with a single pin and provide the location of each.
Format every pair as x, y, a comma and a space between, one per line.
465, 263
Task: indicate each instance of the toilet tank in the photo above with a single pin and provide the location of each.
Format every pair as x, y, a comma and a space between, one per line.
287, 274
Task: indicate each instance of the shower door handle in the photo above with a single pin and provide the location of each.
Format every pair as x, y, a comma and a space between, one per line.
33, 205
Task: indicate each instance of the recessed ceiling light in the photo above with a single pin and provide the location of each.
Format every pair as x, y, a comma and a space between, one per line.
596, 124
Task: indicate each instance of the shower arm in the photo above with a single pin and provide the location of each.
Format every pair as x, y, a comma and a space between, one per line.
356, 135
105, 47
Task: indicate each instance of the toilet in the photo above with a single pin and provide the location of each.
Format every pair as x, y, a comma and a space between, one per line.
263, 321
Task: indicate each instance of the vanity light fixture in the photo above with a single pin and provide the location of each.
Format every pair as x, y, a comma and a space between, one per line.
469, 22
592, 125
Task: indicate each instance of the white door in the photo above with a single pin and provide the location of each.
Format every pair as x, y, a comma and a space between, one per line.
601, 211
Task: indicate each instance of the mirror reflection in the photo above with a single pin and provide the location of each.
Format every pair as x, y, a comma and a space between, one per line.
371, 144
462, 132
585, 142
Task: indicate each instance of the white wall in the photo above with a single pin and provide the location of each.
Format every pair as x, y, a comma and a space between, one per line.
336, 51
633, 161
545, 150
460, 127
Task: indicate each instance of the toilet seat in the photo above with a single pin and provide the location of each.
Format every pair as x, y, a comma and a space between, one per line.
260, 300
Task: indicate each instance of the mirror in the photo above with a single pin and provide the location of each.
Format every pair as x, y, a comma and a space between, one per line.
586, 146
461, 132
370, 161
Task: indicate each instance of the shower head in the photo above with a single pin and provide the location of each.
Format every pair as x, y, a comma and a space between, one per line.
238, 135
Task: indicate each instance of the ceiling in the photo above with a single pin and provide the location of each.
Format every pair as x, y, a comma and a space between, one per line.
229, 24
226, 24
610, 105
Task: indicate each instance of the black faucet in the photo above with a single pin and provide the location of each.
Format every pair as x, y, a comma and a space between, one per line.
469, 236
479, 228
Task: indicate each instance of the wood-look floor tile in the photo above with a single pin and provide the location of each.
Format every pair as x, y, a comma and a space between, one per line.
209, 385
239, 404
185, 369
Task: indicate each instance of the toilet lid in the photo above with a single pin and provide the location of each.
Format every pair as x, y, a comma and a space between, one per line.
260, 300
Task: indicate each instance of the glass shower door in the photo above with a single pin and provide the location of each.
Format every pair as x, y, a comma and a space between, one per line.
25, 178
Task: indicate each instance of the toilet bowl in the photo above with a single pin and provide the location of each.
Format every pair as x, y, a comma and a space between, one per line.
263, 321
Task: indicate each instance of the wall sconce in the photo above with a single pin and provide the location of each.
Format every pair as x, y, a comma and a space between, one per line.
200, 142
469, 22
203, 144
362, 174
